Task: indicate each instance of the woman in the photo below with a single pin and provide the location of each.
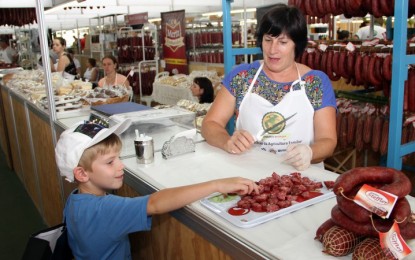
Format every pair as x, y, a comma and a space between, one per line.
64, 64
202, 89
112, 78
274, 90
91, 72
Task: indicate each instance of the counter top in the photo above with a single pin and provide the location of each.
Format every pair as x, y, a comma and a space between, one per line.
279, 238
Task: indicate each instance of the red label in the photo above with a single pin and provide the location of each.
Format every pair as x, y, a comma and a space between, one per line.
393, 244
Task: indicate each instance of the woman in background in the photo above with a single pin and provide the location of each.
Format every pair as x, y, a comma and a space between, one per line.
91, 72
64, 63
112, 78
202, 89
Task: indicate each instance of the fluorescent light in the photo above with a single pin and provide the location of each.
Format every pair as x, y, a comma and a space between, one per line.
232, 12
154, 20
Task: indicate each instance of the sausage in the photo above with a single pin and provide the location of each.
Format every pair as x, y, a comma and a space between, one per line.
351, 127
350, 64
343, 132
369, 249
358, 69
367, 129
342, 65
304, 57
411, 91
339, 241
387, 67
310, 59
377, 128
371, 76
324, 62
317, 60
323, 228
401, 211
383, 148
330, 71
367, 229
376, 11
396, 182
352, 210
365, 70
335, 63
359, 133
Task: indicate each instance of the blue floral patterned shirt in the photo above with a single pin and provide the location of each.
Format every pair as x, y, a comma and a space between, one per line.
318, 86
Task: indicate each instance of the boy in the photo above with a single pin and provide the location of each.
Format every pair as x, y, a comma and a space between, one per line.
98, 223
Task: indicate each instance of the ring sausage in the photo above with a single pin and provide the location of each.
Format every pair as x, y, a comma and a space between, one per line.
396, 182
367, 229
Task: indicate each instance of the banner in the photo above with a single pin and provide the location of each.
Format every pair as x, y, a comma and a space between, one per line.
134, 19
173, 40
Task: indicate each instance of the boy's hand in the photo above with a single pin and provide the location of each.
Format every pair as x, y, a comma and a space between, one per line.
238, 185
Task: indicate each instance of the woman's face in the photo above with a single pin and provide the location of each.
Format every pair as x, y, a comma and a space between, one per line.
196, 90
108, 65
58, 47
279, 52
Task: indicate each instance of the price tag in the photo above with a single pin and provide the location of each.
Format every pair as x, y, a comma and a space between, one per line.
377, 201
393, 244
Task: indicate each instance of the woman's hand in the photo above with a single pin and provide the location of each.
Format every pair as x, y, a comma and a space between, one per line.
299, 156
239, 142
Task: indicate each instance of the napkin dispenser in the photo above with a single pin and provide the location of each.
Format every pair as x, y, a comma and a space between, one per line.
179, 144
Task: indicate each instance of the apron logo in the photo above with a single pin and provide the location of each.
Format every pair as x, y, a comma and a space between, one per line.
273, 118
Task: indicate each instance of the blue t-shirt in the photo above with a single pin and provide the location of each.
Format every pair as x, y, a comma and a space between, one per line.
318, 86
98, 226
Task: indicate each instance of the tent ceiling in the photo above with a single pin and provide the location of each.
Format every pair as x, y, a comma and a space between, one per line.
69, 16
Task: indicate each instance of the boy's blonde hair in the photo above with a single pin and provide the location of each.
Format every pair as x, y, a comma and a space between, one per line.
112, 142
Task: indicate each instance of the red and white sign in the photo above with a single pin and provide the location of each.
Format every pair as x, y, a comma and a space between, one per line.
134, 19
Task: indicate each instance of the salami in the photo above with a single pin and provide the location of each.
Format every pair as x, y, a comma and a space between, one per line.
323, 228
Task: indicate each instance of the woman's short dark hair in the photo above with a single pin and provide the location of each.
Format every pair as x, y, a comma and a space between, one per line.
205, 84
92, 61
287, 20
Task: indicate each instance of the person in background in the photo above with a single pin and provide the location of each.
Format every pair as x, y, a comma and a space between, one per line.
91, 72
276, 90
65, 63
112, 78
82, 42
202, 89
76, 61
342, 34
98, 222
7, 54
378, 31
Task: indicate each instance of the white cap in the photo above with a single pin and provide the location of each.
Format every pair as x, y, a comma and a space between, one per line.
72, 144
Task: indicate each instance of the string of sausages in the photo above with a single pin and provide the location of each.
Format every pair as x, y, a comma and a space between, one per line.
349, 8
130, 49
350, 225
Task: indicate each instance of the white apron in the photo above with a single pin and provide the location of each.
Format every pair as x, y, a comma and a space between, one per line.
257, 114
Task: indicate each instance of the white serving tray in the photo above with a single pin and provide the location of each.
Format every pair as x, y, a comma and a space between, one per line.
253, 218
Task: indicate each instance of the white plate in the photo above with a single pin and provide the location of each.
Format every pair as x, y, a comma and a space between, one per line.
253, 218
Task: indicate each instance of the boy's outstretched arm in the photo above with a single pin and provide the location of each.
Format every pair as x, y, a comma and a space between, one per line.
174, 198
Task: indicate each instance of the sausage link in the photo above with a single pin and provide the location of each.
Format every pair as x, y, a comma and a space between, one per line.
377, 128
396, 182
367, 129
359, 133
387, 67
351, 127
383, 149
323, 228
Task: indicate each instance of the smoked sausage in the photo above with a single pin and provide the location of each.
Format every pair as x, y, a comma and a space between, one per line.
396, 182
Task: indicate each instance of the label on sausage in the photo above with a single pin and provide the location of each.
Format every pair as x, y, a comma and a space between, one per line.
377, 201
393, 244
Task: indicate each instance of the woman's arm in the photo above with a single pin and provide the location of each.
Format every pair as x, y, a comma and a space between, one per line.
214, 125
94, 75
325, 136
63, 62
